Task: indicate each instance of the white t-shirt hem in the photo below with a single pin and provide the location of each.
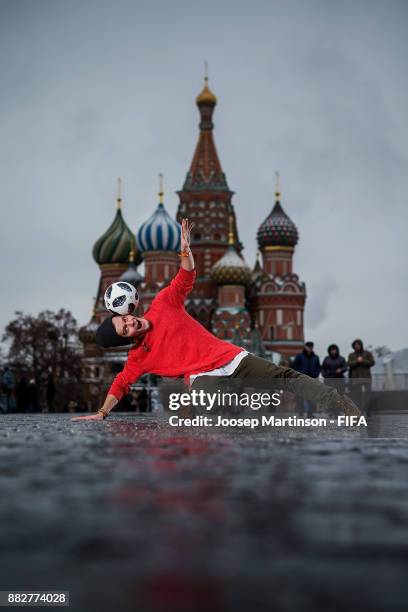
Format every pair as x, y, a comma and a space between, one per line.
225, 370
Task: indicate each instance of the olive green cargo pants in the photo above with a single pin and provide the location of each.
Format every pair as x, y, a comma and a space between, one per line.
260, 371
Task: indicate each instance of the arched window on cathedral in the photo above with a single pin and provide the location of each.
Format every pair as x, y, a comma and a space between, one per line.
272, 332
269, 288
290, 288
197, 236
217, 236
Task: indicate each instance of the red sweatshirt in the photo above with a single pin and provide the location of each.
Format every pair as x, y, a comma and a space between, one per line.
179, 345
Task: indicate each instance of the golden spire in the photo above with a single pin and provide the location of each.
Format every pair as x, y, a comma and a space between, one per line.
277, 190
206, 96
161, 191
119, 195
230, 231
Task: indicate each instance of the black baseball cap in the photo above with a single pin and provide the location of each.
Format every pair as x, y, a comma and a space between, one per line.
106, 335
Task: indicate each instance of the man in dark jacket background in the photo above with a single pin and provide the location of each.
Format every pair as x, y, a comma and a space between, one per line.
307, 362
333, 368
360, 363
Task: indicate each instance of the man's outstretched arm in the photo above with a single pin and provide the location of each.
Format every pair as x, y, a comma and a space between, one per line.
109, 403
118, 389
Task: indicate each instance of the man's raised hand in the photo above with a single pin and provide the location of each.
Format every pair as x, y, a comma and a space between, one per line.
186, 228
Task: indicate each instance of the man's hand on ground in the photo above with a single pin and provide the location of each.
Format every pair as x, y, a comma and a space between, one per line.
90, 417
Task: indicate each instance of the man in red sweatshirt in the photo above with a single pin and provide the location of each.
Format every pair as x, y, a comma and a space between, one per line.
169, 342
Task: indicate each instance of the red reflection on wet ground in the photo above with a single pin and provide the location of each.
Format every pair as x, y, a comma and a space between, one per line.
176, 593
173, 456
170, 486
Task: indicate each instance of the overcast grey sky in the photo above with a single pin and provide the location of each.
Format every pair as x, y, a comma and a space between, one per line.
93, 90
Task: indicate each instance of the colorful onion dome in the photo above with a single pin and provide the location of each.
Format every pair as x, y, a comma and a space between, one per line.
116, 243
206, 97
277, 229
160, 232
131, 275
231, 269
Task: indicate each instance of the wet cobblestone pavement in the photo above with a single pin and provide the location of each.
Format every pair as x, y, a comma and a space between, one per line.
131, 514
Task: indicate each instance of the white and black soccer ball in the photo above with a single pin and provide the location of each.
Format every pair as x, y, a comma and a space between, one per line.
121, 298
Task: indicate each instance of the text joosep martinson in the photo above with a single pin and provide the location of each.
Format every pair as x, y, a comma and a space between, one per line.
254, 401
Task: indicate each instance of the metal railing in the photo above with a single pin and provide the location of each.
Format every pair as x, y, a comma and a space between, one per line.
384, 382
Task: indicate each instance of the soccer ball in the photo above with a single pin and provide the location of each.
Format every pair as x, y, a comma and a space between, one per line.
121, 298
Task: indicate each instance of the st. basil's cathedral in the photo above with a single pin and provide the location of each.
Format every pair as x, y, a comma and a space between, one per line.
259, 308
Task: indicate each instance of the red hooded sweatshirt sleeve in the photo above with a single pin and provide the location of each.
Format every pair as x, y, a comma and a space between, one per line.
177, 344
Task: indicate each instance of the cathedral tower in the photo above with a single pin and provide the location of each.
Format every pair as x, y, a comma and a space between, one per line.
232, 276
277, 295
158, 239
112, 252
206, 200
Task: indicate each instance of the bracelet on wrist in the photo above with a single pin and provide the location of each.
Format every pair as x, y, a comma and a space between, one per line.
184, 253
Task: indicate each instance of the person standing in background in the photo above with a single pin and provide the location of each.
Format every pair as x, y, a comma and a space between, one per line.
334, 367
360, 363
307, 362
